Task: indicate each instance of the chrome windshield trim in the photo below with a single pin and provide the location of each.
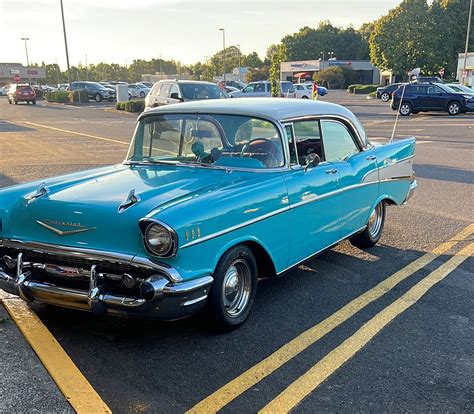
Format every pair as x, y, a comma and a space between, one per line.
236, 227
93, 255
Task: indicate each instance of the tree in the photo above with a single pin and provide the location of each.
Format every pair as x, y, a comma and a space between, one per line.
333, 76
274, 77
257, 74
252, 60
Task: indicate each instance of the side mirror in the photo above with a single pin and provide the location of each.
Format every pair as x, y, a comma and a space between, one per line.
175, 95
311, 160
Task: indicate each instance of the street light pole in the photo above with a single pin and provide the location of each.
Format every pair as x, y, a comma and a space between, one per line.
27, 59
223, 50
322, 68
65, 45
467, 43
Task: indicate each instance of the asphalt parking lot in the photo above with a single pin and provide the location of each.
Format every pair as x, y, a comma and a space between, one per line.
389, 329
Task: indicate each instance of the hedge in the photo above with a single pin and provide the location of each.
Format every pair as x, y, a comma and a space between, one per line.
57, 96
365, 89
136, 106
372, 94
82, 93
350, 88
120, 106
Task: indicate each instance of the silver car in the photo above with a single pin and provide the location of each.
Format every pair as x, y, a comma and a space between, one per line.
262, 89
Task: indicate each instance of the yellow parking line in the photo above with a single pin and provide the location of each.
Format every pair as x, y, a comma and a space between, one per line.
308, 382
267, 366
74, 386
116, 141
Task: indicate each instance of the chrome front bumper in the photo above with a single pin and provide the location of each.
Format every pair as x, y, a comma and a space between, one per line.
165, 299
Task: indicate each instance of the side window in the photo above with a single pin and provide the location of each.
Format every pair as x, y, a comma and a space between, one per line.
308, 140
269, 87
156, 89
250, 87
165, 88
338, 141
174, 89
291, 144
259, 87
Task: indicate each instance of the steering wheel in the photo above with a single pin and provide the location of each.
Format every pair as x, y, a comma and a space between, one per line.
265, 150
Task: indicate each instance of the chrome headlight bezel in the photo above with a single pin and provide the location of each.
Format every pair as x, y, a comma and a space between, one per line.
146, 225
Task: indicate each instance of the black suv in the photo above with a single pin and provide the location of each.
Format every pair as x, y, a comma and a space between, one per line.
95, 90
167, 92
421, 97
385, 92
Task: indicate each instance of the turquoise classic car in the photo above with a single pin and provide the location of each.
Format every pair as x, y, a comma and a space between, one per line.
212, 196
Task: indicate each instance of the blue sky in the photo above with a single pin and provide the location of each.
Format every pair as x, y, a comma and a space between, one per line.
118, 31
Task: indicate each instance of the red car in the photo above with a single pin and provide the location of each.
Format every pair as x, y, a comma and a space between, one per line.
21, 92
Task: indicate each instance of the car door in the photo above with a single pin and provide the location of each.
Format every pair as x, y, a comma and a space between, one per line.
436, 97
357, 173
174, 94
315, 213
153, 98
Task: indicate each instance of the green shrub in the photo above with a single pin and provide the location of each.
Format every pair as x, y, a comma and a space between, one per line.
373, 94
351, 88
57, 96
365, 89
135, 105
79, 95
120, 106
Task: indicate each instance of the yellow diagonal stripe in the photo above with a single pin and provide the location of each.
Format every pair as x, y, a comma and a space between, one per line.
308, 382
74, 386
267, 366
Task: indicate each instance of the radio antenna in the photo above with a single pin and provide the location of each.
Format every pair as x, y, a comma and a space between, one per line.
398, 114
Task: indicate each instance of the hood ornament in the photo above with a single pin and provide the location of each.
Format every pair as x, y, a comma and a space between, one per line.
80, 229
129, 201
41, 191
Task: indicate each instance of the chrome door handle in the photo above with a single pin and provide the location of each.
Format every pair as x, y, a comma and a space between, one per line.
331, 171
371, 157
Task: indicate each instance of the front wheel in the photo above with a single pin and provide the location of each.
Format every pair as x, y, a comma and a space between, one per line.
385, 97
372, 233
233, 291
98, 97
304, 97
405, 109
454, 108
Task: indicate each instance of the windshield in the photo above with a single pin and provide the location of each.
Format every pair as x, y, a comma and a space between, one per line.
195, 91
446, 88
209, 140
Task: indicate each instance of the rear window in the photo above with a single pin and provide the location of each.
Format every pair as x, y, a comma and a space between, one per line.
24, 89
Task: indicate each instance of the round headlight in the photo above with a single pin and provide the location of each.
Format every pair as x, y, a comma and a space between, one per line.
159, 240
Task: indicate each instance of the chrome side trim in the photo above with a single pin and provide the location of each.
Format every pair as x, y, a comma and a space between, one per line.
64, 233
236, 227
385, 166
321, 250
93, 255
291, 206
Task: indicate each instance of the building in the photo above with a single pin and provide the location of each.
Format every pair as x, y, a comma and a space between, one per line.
302, 70
237, 74
148, 77
468, 77
16, 72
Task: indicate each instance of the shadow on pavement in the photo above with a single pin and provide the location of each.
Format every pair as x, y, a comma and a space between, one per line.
443, 173
6, 126
6, 181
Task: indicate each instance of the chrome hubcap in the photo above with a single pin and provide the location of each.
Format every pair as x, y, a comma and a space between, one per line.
404, 109
453, 109
237, 287
375, 221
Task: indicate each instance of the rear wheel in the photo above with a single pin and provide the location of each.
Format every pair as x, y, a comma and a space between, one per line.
16, 102
372, 233
405, 109
233, 291
33, 101
304, 97
385, 97
454, 108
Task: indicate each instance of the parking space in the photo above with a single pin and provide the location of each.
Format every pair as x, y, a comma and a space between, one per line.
387, 329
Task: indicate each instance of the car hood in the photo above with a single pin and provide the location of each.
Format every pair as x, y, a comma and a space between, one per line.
85, 212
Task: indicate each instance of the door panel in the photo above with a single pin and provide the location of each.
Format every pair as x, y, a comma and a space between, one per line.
315, 214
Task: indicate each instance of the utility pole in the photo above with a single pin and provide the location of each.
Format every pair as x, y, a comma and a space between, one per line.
467, 42
87, 68
322, 62
65, 45
57, 71
27, 59
160, 68
223, 50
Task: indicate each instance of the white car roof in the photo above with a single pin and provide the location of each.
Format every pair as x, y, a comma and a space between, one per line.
279, 109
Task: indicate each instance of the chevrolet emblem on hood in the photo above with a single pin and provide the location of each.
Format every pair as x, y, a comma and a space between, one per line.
49, 224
